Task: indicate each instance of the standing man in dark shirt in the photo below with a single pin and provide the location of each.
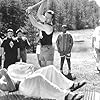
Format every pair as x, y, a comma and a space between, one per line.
64, 45
23, 44
46, 27
10, 49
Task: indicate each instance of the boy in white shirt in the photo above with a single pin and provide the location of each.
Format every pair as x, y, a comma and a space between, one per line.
96, 46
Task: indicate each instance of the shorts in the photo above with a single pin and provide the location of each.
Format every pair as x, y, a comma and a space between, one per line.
67, 55
38, 49
47, 53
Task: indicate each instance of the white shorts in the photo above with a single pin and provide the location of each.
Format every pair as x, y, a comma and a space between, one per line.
38, 49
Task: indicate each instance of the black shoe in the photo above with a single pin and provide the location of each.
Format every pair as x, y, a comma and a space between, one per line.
69, 76
61, 71
98, 69
78, 85
72, 96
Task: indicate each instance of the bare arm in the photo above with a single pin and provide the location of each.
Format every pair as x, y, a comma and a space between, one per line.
18, 56
47, 28
41, 11
2, 53
30, 9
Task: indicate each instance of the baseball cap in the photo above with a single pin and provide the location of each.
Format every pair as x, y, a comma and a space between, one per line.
19, 30
64, 26
10, 30
50, 12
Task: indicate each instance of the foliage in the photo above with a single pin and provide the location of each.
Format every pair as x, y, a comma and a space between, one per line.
13, 16
76, 14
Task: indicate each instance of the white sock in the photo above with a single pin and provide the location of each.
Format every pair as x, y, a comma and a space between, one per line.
98, 65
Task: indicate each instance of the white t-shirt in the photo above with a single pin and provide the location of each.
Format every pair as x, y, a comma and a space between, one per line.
96, 34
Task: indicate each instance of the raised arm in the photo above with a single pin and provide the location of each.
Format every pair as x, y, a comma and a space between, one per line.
35, 23
41, 12
30, 9
47, 28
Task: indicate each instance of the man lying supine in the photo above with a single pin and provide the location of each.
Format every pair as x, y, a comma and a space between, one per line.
46, 82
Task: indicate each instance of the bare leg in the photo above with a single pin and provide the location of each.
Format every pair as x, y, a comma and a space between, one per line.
38, 59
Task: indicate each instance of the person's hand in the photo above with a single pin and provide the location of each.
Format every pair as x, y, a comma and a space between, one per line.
29, 10
18, 57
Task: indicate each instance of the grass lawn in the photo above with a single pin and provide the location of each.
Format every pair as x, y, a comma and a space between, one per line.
82, 62
82, 59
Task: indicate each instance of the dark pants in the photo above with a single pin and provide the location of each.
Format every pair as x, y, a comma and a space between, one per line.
8, 62
23, 55
68, 62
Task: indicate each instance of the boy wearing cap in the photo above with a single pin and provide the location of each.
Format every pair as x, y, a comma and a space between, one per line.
10, 49
46, 27
23, 44
64, 44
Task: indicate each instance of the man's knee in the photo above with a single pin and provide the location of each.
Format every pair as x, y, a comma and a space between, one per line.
43, 63
49, 63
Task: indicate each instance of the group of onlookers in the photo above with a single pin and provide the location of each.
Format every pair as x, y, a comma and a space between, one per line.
13, 49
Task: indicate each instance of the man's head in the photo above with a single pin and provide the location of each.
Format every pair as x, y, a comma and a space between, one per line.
49, 16
10, 33
19, 32
64, 28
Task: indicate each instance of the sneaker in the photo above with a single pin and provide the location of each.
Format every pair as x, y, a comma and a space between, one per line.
78, 85
73, 96
69, 76
61, 71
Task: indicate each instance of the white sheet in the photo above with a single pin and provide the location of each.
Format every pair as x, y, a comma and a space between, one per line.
46, 82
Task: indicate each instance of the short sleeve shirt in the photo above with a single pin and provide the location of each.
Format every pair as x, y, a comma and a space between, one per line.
23, 43
10, 48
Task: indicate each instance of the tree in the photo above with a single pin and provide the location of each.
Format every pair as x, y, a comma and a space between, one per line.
13, 16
